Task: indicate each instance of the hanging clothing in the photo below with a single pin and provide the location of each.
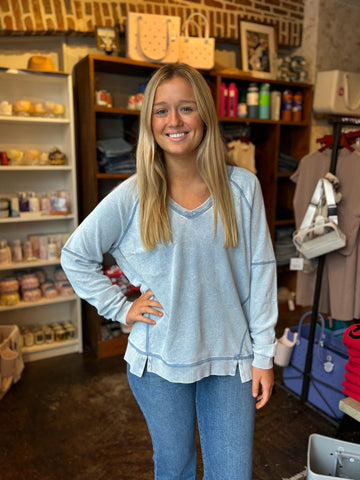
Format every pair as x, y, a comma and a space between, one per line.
242, 154
341, 276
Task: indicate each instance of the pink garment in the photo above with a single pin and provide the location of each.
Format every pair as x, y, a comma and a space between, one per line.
353, 367
353, 379
350, 393
354, 356
355, 388
341, 276
351, 338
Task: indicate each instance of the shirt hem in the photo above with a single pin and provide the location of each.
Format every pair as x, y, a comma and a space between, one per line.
187, 373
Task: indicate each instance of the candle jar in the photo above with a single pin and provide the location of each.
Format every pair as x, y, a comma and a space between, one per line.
31, 294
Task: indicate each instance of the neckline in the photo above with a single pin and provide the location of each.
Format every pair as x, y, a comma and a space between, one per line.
191, 213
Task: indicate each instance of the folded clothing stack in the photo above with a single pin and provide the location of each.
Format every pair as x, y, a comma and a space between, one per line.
114, 155
284, 246
351, 384
286, 163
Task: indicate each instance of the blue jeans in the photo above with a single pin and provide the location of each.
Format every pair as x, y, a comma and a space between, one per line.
225, 412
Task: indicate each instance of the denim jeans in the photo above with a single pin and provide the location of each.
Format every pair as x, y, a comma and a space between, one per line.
225, 411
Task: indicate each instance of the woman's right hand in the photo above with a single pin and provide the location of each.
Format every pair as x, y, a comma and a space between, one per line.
143, 305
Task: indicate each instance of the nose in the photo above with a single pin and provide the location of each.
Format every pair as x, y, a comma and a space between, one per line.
175, 117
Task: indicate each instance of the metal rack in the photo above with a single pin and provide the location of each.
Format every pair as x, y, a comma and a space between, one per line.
338, 125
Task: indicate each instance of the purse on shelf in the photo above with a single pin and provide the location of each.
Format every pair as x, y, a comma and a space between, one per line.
198, 51
337, 92
152, 38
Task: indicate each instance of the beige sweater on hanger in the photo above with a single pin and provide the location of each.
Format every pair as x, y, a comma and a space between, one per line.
340, 288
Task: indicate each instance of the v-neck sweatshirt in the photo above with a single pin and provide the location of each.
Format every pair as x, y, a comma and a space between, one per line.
219, 303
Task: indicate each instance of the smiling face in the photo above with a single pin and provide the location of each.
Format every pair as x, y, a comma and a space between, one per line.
176, 123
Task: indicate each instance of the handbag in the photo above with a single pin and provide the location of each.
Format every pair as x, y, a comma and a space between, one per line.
320, 234
337, 92
152, 38
327, 369
199, 51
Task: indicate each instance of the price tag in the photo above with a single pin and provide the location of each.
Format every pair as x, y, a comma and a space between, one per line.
296, 263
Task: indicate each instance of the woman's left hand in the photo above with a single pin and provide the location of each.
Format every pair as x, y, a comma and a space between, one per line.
262, 385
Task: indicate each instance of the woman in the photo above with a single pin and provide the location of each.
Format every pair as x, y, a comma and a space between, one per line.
190, 230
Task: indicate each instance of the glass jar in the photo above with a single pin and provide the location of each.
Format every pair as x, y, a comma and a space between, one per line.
5, 253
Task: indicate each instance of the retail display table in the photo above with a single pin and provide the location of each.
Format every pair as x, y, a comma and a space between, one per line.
351, 407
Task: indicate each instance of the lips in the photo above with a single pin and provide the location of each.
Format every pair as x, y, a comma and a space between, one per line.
176, 135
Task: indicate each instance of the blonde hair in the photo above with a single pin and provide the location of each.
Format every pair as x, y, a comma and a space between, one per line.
211, 162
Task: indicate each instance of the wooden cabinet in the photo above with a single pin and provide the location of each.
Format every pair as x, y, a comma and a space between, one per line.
24, 133
122, 77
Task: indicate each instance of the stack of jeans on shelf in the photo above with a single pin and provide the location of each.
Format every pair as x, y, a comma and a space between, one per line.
286, 163
115, 155
284, 247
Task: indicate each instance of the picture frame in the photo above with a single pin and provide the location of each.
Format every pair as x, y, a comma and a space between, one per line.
107, 39
258, 49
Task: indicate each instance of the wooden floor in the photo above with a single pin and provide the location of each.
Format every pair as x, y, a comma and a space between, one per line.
74, 417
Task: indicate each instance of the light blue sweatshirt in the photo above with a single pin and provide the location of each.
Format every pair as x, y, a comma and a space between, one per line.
219, 304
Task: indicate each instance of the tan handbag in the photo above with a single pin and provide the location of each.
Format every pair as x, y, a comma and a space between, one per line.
199, 51
152, 38
337, 92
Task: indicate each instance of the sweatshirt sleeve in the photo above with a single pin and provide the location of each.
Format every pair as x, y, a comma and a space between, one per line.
82, 255
263, 308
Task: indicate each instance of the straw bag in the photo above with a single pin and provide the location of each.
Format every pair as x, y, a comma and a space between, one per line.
152, 38
199, 51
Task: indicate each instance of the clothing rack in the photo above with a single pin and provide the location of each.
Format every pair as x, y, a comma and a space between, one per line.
337, 128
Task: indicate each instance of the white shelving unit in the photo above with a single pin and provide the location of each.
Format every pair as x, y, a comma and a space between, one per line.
41, 133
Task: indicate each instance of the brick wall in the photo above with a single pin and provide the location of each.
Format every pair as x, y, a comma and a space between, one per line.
46, 17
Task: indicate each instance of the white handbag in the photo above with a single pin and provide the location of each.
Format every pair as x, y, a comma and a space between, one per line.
199, 51
337, 92
152, 38
320, 234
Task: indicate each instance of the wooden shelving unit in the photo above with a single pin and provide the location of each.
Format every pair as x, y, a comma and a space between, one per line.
121, 77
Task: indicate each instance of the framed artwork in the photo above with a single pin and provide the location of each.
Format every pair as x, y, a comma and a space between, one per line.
107, 39
258, 49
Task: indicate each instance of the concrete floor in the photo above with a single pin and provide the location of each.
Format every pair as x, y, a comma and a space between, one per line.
74, 418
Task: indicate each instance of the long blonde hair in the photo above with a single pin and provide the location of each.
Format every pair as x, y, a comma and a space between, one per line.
211, 162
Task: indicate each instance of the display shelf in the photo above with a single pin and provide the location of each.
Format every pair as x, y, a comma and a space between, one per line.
35, 168
29, 264
255, 121
121, 77
43, 133
46, 346
39, 303
12, 119
35, 218
109, 176
280, 223
46, 350
116, 111
112, 346
351, 407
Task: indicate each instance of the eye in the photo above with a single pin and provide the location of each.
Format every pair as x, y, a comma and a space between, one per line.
187, 109
160, 112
